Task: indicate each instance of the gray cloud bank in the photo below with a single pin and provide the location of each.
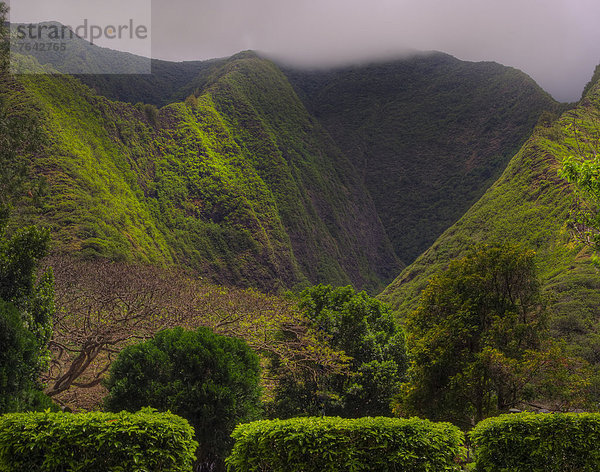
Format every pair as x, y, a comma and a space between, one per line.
554, 41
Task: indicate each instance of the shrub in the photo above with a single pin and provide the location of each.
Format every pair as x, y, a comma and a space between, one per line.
538, 442
363, 329
211, 380
333, 444
52, 442
151, 113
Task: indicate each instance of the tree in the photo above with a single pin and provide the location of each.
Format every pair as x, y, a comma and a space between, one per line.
361, 328
26, 300
26, 309
211, 380
104, 306
18, 358
476, 338
582, 170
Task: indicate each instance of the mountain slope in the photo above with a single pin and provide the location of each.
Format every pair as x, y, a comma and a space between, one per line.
221, 184
429, 134
530, 204
115, 74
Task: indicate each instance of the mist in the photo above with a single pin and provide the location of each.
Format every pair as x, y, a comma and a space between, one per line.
554, 41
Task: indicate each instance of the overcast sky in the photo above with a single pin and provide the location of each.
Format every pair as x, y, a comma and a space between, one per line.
557, 42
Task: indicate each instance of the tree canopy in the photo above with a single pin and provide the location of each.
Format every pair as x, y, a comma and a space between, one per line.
476, 337
211, 380
364, 330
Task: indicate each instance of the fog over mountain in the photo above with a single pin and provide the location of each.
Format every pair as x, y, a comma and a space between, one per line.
554, 41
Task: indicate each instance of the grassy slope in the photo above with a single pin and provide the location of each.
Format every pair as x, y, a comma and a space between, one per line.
331, 220
430, 134
530, 204
242, 197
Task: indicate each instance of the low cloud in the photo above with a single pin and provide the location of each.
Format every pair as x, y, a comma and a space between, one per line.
554, 41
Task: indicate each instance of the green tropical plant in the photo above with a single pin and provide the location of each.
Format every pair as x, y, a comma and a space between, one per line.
210, 380
336, 444
26, 309
364, 330
527, 442
95, 441
476, 339
582, 170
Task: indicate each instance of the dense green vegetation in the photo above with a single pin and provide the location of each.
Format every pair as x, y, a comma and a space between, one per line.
531, 204
210, 380
256, 176
26, 309
222, 184
528, 442
428, 133
304, 172
332, 444
479, 342
363, 329
53, 442
583, 171
26, 294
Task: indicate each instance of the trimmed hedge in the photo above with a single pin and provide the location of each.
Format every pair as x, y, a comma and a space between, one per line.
528, 442
336, 444
119, 442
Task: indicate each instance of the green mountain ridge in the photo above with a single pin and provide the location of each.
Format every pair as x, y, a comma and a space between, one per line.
530, 204
429, 133
159, 88
216, 185
264, 177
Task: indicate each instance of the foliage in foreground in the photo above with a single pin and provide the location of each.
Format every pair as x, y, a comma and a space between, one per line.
53, 442
478, 340
332, 444
26, 299
211, 380
365, 331
528, 442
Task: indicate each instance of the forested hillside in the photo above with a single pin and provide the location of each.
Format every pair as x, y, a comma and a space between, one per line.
239, 183
428, 133
259, 175
530, 204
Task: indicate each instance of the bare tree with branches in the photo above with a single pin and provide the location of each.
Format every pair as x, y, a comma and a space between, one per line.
103, 306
